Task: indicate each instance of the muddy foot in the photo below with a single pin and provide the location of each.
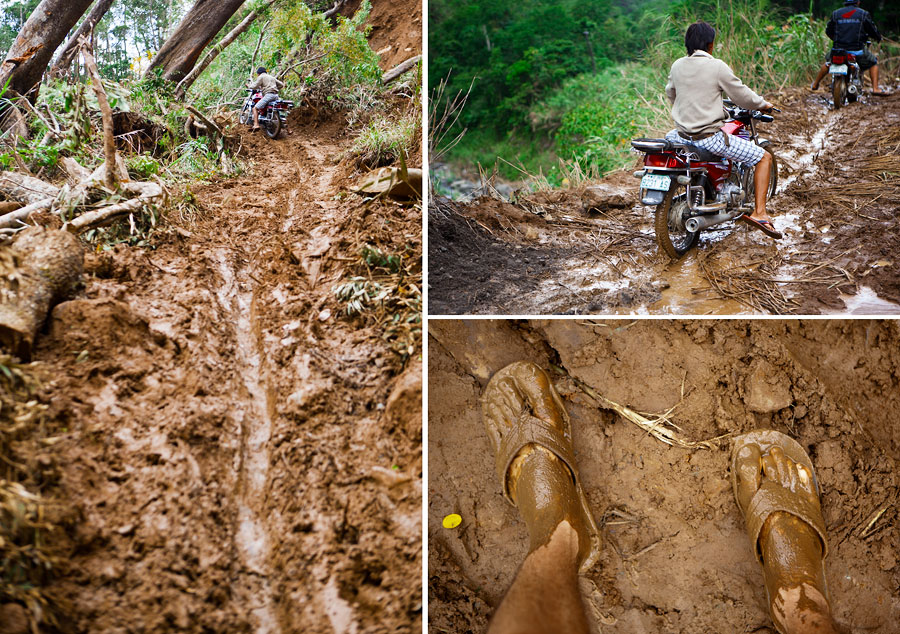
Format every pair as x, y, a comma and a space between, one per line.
775, 488
529, 431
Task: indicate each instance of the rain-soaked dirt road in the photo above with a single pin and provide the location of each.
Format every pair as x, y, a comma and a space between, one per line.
676, 557
592, 250
238, 455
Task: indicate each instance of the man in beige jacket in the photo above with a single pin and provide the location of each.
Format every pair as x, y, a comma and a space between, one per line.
269, 87
695, 87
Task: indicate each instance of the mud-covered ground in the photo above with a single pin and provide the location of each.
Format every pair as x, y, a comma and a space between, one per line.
238, 455
676, 557
592, 249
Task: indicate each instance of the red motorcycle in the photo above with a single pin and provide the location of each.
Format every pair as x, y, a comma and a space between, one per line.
693, 189
272, 118
846, 80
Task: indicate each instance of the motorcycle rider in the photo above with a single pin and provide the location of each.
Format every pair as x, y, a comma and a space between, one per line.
269, 86
849, 28
695, 90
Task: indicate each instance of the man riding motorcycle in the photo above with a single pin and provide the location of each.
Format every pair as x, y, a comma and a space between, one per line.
849, 28
269, 87
695, 90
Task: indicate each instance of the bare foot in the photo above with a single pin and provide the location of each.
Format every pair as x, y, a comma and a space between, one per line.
789, 547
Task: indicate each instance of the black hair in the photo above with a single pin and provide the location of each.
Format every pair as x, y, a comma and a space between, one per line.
698, 37
260, 70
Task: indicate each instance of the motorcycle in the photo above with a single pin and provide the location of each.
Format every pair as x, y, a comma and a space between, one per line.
272, 118
846, 79
693, 189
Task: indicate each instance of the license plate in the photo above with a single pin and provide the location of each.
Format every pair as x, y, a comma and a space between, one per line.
838, 69
656, 181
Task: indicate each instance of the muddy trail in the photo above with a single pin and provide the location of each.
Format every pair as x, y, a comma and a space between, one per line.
676, 556
593, 250
238, 455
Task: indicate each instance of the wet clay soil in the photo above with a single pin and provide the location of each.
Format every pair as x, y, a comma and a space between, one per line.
238, 455
593, 250
675, 556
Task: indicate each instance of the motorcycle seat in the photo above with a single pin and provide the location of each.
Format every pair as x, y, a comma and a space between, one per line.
699, 154
651, 145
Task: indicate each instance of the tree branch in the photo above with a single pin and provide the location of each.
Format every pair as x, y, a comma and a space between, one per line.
109, 141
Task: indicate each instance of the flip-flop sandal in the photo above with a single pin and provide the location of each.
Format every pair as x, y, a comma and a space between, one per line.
771, 497
763, 225
508, 389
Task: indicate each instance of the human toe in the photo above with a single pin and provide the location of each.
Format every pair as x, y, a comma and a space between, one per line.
749, 475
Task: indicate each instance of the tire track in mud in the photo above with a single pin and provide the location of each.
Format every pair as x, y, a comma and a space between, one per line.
255, 424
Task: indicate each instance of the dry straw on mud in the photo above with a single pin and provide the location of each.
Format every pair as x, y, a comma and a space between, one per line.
758, 285
26, 556
660, 426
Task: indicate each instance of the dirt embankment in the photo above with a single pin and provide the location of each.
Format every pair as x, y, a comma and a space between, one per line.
396, 33
592, 250
676, 556
237, 455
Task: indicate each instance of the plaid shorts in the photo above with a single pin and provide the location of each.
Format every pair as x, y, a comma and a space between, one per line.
272, 97
738, 149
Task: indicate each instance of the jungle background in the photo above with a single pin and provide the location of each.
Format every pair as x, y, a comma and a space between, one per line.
575, 81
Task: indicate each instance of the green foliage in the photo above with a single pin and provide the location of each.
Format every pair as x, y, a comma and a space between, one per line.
348, 56
386, 137
194, 159
340, 63
389, 294
536, 91
143, 166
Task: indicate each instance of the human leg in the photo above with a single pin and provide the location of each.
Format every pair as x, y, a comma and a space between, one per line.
529, 431
822, 72
775, 489
761, 187
873, 74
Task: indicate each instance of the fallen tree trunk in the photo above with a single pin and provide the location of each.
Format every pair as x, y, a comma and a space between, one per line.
401, 68
26, 189
39, 269
35, 44
108, 214
192, 76
182, 49
70, 50
14, 219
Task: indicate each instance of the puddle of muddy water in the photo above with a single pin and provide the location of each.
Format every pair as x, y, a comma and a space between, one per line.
866, 302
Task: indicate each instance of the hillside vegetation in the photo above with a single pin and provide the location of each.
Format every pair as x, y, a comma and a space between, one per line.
576, 81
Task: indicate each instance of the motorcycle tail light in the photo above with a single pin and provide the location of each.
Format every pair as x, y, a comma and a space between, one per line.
838, 59
660, 160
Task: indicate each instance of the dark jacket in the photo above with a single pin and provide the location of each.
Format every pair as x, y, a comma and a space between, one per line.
850, 26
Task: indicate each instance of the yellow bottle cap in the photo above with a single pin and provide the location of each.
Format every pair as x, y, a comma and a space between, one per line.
452, 521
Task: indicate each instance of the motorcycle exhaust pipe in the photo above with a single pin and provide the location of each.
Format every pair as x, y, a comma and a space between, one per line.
697, 223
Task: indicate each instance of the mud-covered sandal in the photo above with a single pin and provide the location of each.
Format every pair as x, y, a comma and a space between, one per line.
520, 407
772, 497
765, 226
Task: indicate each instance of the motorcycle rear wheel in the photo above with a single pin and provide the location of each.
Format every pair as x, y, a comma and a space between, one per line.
838, 89
273, 126
671, 234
